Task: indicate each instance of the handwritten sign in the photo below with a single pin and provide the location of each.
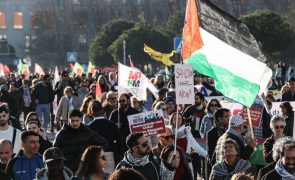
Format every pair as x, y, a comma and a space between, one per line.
149, 123
184, 84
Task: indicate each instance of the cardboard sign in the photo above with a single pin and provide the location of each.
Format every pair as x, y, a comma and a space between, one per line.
149, 123
184, 84
276, 110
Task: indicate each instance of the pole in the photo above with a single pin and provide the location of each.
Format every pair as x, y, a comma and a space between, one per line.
176, 127
124, 52
250, 123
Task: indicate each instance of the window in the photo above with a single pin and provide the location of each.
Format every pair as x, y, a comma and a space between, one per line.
34, 19
18, 20
2, 20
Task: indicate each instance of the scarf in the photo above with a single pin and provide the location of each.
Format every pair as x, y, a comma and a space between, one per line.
180, 132
70, 103
285, 175
130, 159
221, 169
165, 173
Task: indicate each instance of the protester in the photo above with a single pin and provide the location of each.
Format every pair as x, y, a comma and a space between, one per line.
276, 153
290, 95
136, 104
288, 114
208, 119
108, 130
91, 165
242, 176
18, 98
161, 95
28, 161
284, 168
174, 165
68, 102
231, 163
8, 132
27, 97
139, 157
74, 138
170, 104
83, 89
162, 106
164, 139
277, 125
235, 130
12, 121
126, 174
44, 96
104, 85
61, 84
7, 98
159, 82
110, 103
54, 166
85, 104
123, 111
6, 153
36, 127
196, 112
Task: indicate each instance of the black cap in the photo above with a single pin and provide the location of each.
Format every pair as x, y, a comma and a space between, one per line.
291, 79
53, 153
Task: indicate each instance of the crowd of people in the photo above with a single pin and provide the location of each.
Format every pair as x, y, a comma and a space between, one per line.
93, 138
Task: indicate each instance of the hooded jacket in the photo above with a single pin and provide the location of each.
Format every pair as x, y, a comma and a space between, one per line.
22, 168
43, 174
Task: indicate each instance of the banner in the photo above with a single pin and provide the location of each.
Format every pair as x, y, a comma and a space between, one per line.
276, 110
149, 123
184, 84
132, 80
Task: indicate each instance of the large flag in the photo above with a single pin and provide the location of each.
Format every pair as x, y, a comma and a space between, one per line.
158, 56
224, 50
39, 70
2, 72
98, 92
132, 80
91, 68
78, 69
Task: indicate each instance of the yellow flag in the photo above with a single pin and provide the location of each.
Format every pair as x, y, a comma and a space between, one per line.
158, 56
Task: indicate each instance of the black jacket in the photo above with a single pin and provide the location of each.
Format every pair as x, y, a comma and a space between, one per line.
44, 93
5, 97
44, 144
265, 170
267, 149
288, 96
73, 142
212, 137
125, 131
272, 175
110, 132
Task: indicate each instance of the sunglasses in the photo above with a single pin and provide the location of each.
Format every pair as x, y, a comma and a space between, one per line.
103, 158
213, 105
122, 101
168, 137
281, 127
145, 144
34, 119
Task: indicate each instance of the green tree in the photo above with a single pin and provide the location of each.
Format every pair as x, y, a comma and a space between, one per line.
110, 31
135, 39
173, 27
271, 30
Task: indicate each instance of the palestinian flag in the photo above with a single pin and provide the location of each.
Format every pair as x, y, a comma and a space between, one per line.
78, 69
23, 68
39, 70
91, 68
219, 46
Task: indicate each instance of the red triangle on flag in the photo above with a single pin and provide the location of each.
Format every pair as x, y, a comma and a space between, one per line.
98, 91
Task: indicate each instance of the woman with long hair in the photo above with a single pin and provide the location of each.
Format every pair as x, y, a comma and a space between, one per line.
91, 164
174, 166
288, 114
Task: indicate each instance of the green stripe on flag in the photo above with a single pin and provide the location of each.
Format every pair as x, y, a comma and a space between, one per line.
229, 84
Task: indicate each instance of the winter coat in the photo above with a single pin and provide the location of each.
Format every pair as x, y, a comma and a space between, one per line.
63, 107
43, 174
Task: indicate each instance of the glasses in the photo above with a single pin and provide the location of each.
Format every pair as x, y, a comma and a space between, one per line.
121, 101
112, 98
281, 127
213, 105
103, 158
168, 137
145, 144
164, 109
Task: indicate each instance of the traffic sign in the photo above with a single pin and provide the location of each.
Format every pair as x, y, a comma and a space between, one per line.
177, 44
72, 56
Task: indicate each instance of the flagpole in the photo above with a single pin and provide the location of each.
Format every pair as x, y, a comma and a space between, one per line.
250, 123
124, 51
176, 127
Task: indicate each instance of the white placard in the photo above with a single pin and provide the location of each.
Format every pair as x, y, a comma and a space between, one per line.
184, 84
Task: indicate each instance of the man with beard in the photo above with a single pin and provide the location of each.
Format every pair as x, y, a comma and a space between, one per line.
6, 152
196, 113
28, 161
8, 132
285, 167
111, 103
139, 157
54, 166
43, 95
164, 139
124, 110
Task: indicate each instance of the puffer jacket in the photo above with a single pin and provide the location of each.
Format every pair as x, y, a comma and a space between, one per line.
73, 142
22, 168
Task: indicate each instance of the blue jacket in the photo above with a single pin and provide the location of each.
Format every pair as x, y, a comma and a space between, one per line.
22, 168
